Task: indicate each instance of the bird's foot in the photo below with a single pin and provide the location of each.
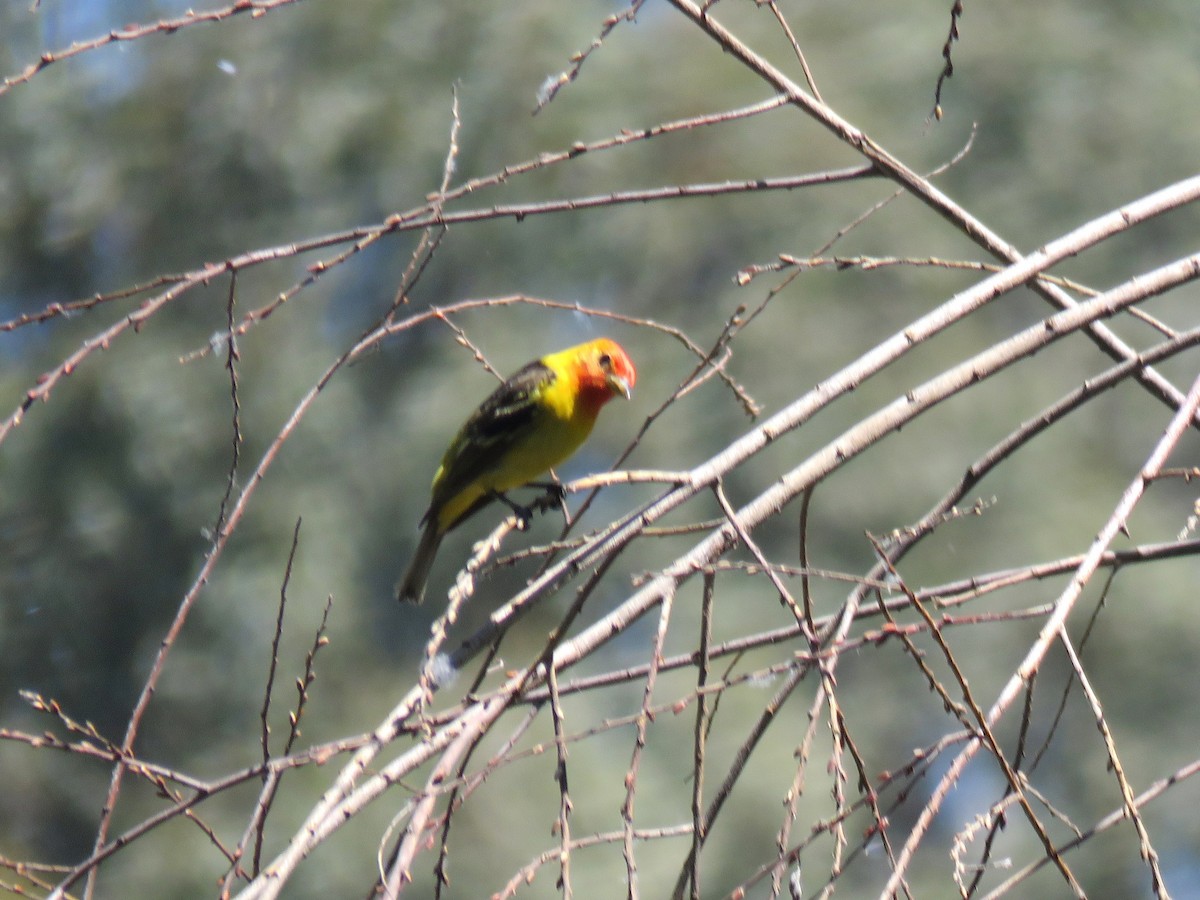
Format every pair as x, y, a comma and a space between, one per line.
555, 496
524, 514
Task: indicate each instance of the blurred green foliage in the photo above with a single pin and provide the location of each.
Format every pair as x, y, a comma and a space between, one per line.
154, 156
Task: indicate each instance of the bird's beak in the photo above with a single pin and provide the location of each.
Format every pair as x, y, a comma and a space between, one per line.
619, 385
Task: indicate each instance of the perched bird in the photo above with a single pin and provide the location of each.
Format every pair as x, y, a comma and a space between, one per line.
535, 420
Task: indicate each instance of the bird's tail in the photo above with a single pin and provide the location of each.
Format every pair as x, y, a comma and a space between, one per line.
411, 588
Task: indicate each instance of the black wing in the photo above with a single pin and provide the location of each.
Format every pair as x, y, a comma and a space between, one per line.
500, 421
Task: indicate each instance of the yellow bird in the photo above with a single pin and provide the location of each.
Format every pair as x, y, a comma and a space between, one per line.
534, 421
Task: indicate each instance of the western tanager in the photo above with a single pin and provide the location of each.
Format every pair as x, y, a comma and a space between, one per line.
532, 422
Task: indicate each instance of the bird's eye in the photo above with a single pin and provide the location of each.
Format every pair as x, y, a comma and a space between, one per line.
605, 361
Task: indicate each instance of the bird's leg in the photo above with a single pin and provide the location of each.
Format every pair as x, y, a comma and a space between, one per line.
554, 489
524, 514
556, 495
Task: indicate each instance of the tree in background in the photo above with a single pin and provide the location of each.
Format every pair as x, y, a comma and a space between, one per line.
881, 585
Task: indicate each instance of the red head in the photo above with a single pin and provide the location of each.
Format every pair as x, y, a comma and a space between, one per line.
603, 370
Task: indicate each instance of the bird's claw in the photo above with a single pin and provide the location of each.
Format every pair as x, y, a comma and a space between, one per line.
556, 494
524, 514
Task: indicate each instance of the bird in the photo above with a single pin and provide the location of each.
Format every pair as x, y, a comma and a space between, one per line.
532, 422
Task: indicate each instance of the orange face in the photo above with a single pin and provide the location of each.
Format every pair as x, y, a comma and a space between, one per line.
611, 358
603, 370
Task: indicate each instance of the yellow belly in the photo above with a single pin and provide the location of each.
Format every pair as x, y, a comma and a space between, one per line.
551, 443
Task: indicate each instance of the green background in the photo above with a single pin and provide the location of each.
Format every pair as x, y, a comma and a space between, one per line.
154, 156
